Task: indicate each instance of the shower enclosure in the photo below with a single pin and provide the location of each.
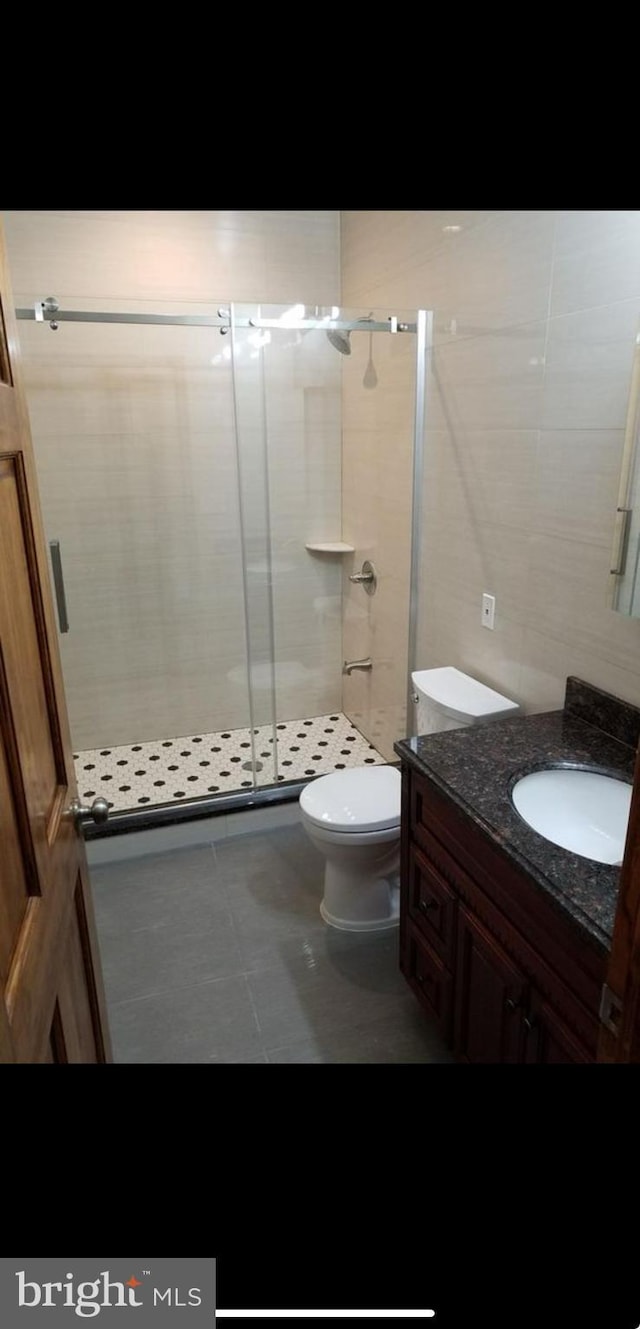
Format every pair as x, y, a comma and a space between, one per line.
190, 464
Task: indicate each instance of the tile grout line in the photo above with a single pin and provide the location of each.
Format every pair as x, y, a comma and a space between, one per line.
254, 1009
185, 987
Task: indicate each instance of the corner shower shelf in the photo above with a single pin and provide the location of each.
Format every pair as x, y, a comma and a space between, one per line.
330, 547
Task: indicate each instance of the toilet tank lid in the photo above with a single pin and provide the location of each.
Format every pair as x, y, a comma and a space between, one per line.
366, 798
460, 695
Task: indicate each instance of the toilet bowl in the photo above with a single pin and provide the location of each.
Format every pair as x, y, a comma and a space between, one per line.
353, 818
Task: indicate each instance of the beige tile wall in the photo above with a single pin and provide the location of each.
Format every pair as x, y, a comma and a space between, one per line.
134, 436
536, 314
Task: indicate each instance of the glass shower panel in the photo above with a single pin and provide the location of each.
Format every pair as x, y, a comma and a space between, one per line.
257, 673
288, 391
325, 422
379, 381
134, 434
303, 381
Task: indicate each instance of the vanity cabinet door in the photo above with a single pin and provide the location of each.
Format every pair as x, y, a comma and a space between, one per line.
430, 979
547, 1039
432, 905
491, 996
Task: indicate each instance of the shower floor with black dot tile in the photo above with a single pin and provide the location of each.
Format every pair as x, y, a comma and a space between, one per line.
168, 770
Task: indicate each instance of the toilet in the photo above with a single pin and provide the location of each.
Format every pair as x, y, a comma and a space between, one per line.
448, 699
353, 816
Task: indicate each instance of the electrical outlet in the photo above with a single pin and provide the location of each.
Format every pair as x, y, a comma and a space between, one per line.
488, 610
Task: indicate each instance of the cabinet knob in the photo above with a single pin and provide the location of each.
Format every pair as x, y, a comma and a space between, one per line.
529, 1022
425, 905
512, 1005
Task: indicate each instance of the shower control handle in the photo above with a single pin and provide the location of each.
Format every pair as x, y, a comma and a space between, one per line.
367, 577
98, 812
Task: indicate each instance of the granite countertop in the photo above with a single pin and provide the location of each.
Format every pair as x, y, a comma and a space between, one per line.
475, 767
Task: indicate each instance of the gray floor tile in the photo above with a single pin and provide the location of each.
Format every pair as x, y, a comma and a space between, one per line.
220, 955
305, 1051
286, 850
176, 955
405, 1037
163, 922
365, 959
212, 1021
231, 1060
274, 889
319, 987
156, 889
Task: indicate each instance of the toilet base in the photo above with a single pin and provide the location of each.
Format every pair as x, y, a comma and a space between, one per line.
370, 925
361, 903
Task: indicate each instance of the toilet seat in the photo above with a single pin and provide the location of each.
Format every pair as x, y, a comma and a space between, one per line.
356, 802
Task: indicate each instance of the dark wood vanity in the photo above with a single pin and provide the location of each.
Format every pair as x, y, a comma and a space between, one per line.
489, 958
504, 937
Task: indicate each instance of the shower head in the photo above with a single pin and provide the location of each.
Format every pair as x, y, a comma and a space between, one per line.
340, 340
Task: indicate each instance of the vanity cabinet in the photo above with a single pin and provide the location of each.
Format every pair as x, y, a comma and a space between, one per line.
491, 996
507, 975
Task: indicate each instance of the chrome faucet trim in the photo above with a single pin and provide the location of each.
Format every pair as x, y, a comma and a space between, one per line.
350, 665
366, 578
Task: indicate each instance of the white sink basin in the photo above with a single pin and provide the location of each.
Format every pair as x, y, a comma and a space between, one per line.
578, 810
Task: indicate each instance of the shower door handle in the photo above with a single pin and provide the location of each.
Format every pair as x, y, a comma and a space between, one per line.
58, 585
621, 559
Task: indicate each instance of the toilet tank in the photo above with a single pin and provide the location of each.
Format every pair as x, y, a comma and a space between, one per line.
449, 699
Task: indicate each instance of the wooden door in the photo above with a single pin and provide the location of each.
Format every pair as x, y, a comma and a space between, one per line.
52, 1007
490, 997
620, 1013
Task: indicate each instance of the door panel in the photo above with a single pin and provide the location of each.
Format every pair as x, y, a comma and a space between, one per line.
14, 884
619, 1039
490, 997
52, 1007
25, 653
74, 997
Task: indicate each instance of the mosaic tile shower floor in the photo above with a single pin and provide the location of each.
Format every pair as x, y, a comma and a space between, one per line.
168, 770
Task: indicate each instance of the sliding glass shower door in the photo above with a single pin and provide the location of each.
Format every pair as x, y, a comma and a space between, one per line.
193, 463
287, 384
327, 406
134, 433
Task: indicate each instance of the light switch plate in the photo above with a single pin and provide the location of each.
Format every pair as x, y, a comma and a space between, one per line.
488, 610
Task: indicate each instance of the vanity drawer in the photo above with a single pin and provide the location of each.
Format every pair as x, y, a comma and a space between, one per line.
430, 979
432, 904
